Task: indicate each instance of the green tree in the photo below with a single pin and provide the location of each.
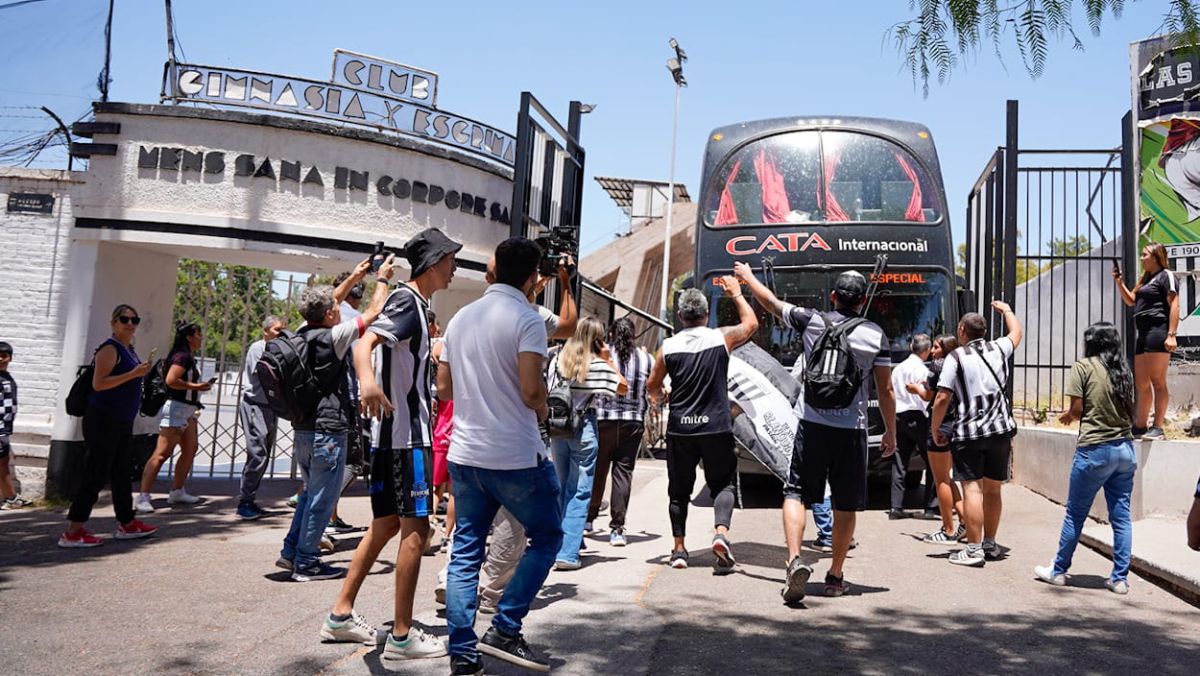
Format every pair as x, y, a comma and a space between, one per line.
944, 30
1070, 247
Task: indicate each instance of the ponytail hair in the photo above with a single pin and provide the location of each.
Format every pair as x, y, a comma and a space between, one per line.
621, 335
1103, 341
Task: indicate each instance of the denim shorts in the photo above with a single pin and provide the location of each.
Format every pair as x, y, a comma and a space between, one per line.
176, 414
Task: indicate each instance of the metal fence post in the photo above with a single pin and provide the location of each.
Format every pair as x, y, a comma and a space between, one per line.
1129, 218
1008, 290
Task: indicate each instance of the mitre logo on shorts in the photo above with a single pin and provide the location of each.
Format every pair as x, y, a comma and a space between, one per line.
693, 420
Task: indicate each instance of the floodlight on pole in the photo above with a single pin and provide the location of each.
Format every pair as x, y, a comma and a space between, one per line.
675, 65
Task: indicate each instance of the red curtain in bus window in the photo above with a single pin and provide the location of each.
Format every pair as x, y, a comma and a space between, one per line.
833, 210
726, 214
914, 212
774, 193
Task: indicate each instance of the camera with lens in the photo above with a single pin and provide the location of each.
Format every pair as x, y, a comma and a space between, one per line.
556, 246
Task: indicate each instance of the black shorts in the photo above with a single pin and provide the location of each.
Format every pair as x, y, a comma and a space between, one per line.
5, 447
986, 458
1151, 336
947, 432
400, 482
829, 454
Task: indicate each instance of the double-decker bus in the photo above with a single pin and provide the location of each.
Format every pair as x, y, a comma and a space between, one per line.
802, 199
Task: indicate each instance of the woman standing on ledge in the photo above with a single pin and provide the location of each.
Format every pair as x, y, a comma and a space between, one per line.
1155, 303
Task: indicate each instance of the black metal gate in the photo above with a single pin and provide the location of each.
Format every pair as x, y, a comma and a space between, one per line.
1045, 228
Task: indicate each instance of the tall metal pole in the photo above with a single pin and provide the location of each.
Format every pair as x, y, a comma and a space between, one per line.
666, 264
171, 74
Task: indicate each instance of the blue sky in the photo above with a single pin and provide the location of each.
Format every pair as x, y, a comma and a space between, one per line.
747, 60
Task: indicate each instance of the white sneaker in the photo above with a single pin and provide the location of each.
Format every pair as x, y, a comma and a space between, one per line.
1046, 574
417, 646
327, 545
143, 506
181, 497
354, 630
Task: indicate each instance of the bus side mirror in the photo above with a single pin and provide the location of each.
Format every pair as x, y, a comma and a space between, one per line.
966, 302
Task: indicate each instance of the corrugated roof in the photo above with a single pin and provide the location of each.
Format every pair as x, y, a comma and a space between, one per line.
621, 189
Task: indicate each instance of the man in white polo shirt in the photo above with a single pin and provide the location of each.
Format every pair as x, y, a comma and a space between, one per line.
492, 369
912, 427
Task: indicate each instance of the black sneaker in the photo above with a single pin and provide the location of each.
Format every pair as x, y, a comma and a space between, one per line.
679, 558
337, 525
894, 514
249, 511
464, 665
797, 578
991, 550
317, 571
1138, 432
512, 649
835, 586
823, 545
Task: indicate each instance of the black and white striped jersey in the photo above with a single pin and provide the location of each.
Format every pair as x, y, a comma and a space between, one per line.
977, 374
697, 360
632, 406
403, 370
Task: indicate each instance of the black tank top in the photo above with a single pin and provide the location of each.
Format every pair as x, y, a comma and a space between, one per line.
698, 362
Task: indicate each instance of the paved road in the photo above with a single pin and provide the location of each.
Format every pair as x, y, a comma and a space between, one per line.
204, 598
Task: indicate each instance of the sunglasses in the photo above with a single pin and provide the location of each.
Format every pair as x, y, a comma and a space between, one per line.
130, 320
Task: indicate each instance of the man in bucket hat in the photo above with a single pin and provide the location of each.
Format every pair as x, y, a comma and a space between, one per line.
397, 393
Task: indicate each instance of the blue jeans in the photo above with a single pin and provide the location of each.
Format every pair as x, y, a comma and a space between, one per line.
530, 495
823, 520
575, 462
321, 458
1110, 466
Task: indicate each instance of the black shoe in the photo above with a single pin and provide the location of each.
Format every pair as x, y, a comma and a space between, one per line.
512, 649
931, 515
894, 514
317, 571
1138, 432
724, 555
337, 525
835, 586
462, 665
797, 579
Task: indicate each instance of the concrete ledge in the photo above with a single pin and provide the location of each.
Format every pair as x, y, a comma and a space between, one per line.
1163, 485
1160, 554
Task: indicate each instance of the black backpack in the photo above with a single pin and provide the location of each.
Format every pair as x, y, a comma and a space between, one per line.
154, 389
832, 377
564, 419
81, 390
291, 388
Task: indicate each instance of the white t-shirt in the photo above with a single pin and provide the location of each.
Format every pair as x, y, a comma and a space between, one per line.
493, 428
911, 370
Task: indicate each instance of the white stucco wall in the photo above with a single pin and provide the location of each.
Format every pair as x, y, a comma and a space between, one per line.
34, 278
117, 188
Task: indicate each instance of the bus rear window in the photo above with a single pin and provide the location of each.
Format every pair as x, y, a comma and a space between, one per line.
821, 177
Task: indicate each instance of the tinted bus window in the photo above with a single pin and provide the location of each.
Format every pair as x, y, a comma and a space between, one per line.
827, 177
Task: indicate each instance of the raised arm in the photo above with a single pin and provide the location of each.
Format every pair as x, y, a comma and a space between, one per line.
360, 272
1011, 323
761, 293
379, 298
747, 322
568, 313
1126, 294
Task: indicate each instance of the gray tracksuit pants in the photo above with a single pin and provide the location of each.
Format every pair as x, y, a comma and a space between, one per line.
259, 424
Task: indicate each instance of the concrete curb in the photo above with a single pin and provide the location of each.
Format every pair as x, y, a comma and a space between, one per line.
1184, 588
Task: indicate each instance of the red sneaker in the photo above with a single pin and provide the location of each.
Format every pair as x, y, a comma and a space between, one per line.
79, 540
135, 529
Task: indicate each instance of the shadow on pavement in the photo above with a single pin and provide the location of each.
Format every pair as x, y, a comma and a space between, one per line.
904, 641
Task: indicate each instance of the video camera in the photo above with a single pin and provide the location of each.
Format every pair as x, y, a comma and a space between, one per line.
560, 243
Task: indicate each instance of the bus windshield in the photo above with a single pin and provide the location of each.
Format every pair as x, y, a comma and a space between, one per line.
820, 177
906, 303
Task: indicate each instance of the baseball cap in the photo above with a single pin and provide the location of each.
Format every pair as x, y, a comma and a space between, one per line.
850, 287
426, 248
